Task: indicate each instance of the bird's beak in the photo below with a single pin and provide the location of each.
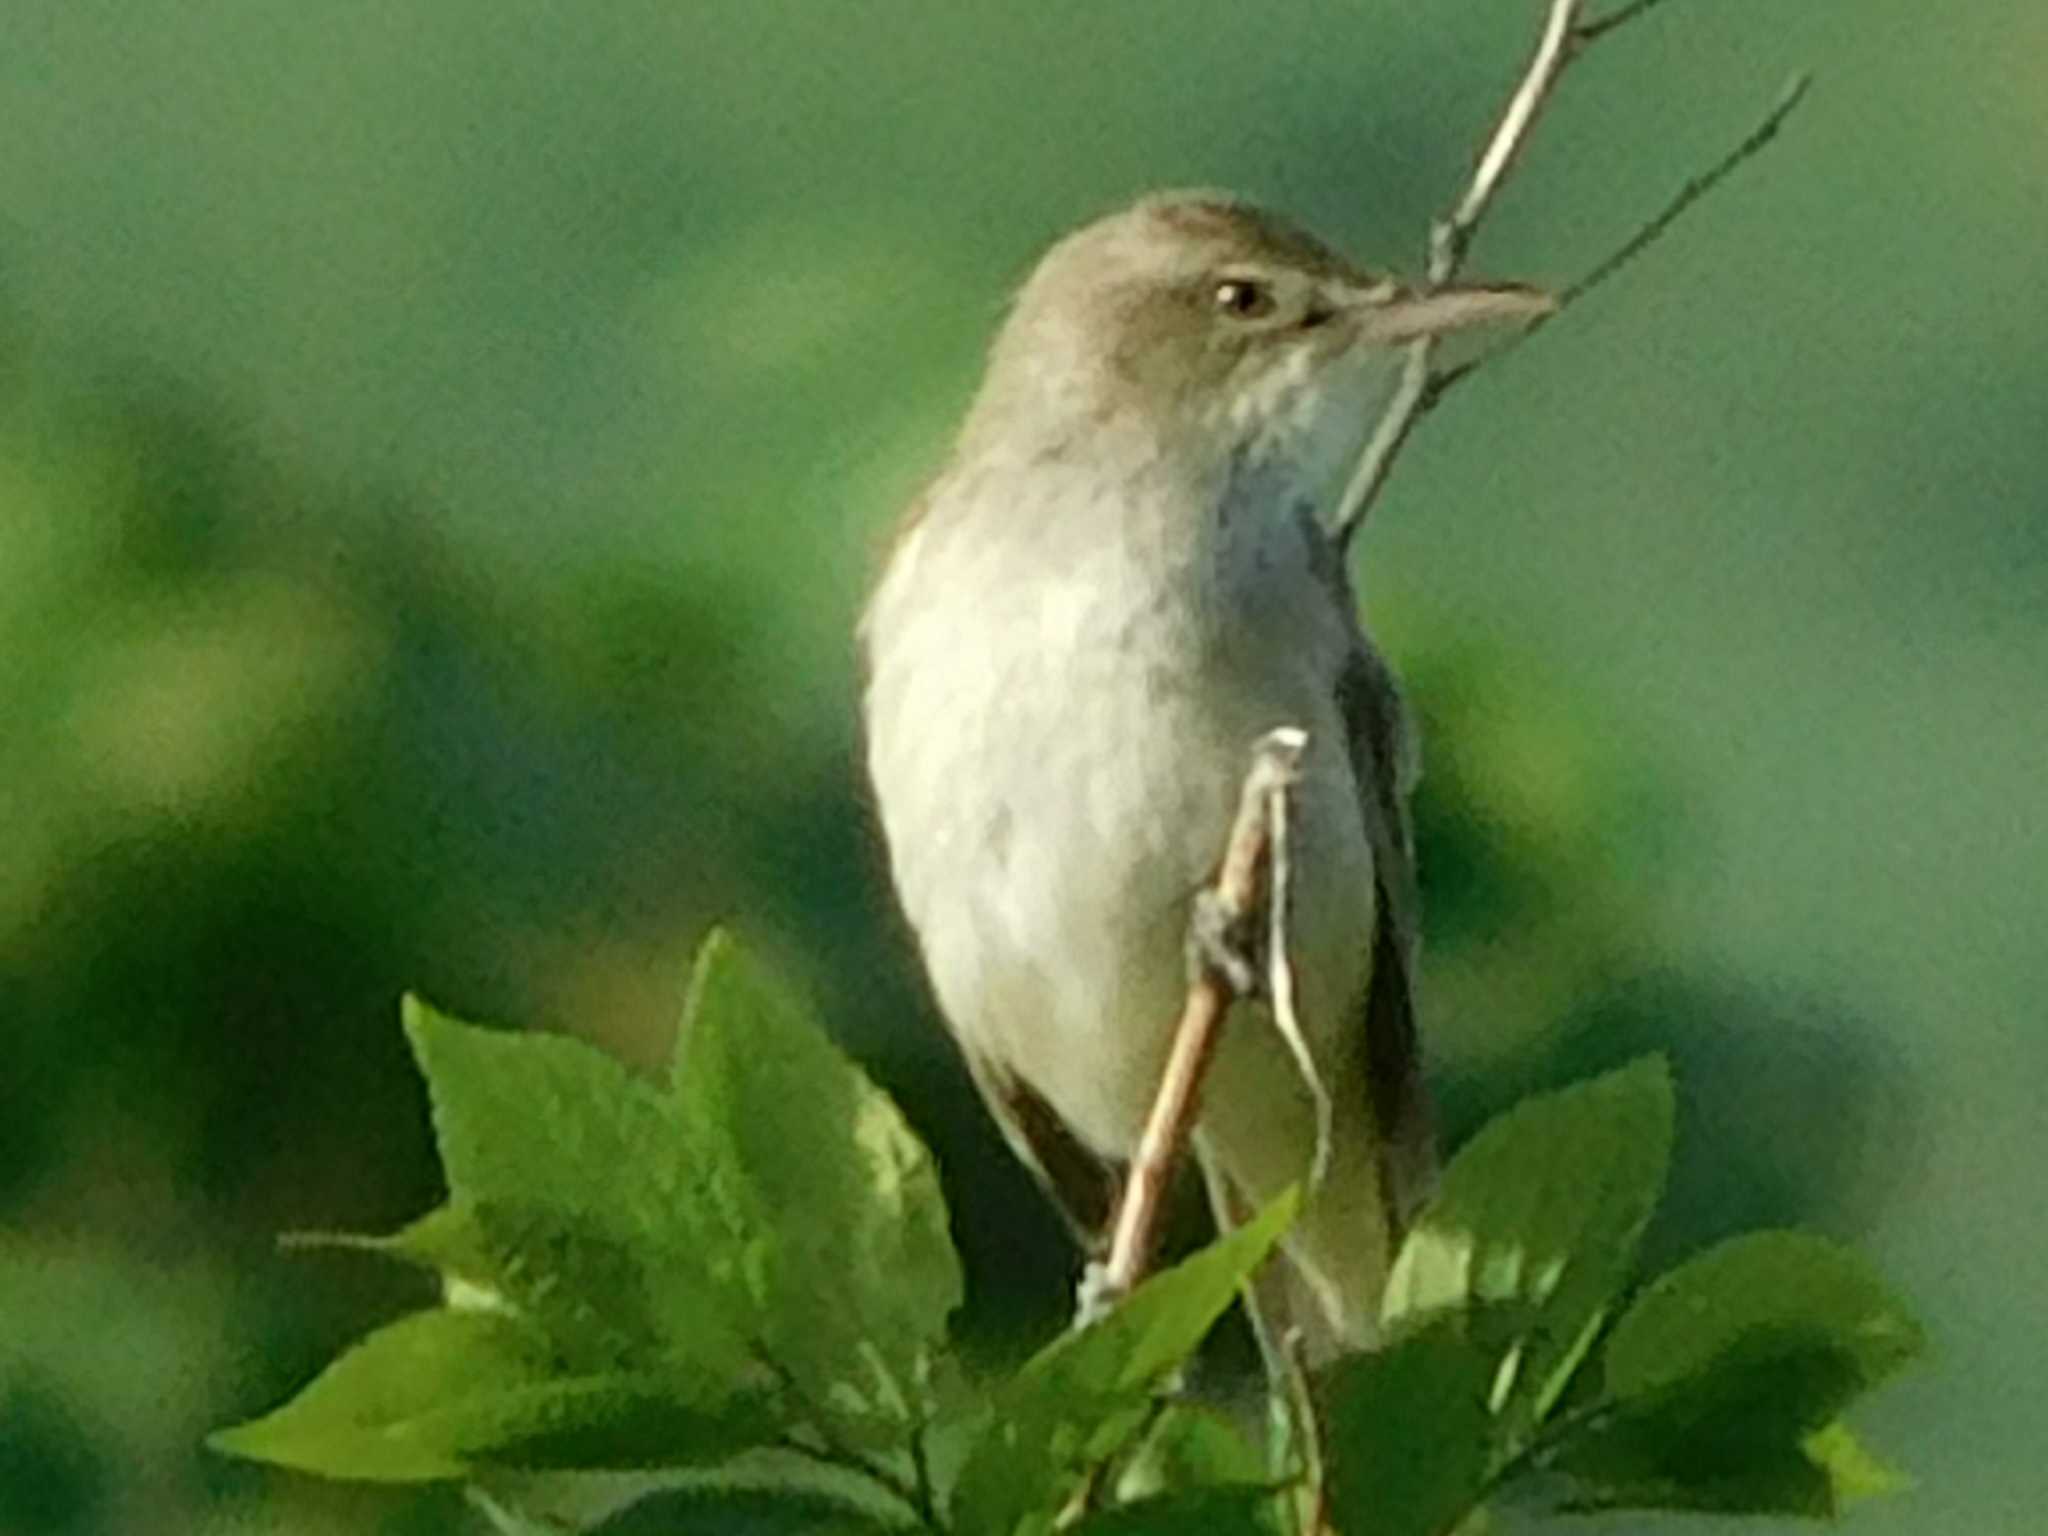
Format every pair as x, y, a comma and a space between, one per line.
1411, 316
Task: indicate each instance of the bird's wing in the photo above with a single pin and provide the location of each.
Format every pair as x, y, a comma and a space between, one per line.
1400, 1101
1083, 1187
1383, 760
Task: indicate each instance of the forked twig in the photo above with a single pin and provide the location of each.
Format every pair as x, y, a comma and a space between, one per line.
1653, 229
1451, 237
1565, 37
1620, 16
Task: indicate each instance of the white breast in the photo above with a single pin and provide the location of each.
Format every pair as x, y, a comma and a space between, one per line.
1059, 714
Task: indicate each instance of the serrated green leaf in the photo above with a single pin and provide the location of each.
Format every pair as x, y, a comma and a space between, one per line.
1212, 1511
545, 1119
578, 1194
1410, 1435
768, 1219
607, 1298
1723, 1384
1535, 1228
441, 1393
828, 1203
767, 1223
1076, 1401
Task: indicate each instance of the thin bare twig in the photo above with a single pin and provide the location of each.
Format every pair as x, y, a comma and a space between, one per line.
1565, 37
1650, 232
1695, 188
1620, 16
1239, 887
1389, 436
1449, 239
1686, 195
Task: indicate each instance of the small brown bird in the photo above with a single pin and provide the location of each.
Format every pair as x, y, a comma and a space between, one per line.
1119, 582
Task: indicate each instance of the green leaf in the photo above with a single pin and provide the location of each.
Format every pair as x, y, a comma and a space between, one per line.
1074, 1403
1211, 1511
1724, 1382
742, 1512
578, 1195
1191, 1446
827, 1205
590, 1292
1410, 1435
1853, 1473
1535, 1227
765, 1227
546, 1120
1769, 1293
440, 1393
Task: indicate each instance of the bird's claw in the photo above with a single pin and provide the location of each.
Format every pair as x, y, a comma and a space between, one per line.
1226, 943
1096, 1296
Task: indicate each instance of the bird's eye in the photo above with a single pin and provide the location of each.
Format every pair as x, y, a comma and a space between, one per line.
1242, 299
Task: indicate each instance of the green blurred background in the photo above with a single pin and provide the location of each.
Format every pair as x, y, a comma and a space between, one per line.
441, 451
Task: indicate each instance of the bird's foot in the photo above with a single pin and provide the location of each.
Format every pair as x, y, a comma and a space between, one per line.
1226, 943
1096, 1296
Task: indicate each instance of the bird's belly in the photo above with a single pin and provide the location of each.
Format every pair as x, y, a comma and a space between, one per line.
1086, 797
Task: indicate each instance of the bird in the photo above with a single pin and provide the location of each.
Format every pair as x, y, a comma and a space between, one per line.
1122, 576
